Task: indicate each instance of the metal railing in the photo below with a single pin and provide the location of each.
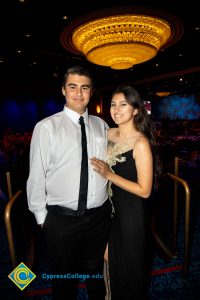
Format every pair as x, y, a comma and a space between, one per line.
8, 214
172, 254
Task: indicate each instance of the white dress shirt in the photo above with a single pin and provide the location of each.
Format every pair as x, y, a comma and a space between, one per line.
55, 162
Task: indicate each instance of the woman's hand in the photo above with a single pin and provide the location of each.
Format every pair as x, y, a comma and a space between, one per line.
100, 167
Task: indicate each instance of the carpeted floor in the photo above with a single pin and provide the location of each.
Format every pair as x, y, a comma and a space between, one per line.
167, 281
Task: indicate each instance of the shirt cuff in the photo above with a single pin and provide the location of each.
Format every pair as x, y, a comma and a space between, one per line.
41, 216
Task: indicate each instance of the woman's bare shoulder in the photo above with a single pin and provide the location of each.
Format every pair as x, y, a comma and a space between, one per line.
141, 144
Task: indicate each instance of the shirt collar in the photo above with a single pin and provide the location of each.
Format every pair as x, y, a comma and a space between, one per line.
74, 116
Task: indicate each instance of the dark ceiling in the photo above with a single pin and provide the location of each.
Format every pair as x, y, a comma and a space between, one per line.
33, 61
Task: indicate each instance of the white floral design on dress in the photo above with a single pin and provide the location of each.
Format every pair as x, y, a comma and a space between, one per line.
114, 155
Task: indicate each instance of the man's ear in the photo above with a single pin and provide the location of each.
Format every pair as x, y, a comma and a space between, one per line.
92, 92
63, 91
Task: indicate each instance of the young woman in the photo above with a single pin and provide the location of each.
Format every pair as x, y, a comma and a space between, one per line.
131, 167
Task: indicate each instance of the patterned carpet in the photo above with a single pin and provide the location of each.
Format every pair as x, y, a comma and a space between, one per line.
167, 281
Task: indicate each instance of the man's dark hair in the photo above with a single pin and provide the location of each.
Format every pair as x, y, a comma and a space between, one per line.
79, 71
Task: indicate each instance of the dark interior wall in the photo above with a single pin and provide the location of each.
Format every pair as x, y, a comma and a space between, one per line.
23, 113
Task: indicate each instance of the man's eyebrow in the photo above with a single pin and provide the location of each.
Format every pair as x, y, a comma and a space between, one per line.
74, 84
71, 84
86, 85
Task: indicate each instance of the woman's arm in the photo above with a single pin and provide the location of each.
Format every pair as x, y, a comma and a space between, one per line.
144, 165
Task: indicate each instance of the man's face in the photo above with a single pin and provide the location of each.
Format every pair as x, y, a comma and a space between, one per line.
77, 92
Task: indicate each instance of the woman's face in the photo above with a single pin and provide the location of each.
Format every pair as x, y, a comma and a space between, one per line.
121, 111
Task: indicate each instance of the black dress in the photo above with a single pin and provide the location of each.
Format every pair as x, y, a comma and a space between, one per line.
128, 238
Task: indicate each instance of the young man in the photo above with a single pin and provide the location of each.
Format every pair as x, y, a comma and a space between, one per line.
76, 240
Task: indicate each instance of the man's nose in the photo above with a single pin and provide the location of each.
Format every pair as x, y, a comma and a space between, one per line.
79, 91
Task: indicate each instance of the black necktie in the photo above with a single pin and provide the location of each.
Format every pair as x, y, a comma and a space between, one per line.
82, 204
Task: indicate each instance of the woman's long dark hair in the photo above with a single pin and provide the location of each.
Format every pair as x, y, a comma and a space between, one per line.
144, 124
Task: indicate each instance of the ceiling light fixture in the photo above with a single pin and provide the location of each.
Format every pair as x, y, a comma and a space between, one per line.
121, 37
163, 94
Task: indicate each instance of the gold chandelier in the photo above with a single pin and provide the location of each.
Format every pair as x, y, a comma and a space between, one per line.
119, 40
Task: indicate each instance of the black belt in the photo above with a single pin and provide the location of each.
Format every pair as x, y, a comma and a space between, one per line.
61, 210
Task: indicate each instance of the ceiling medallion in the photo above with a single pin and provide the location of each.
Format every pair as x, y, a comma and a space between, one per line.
121, 37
